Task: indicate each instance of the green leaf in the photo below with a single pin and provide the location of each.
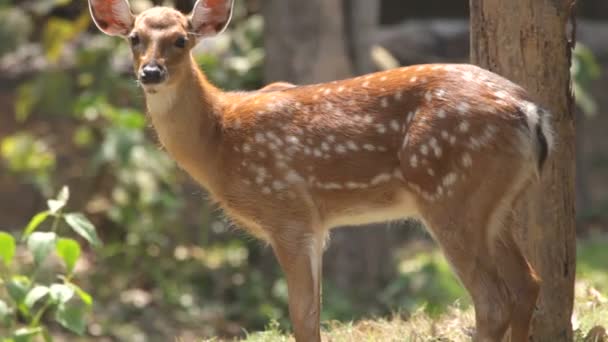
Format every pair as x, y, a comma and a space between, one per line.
34, 223
61, 293
17, 288
35, 294
26, 334
69, 251
46, 335
58, 203
5, 312
71, 317
7, 247
81, 225
84, 296
41, 244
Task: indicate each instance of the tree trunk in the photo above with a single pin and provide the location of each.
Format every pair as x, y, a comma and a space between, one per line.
526, 41
315, 41
304, 41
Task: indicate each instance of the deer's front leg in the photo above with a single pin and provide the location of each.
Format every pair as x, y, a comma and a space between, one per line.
300, 255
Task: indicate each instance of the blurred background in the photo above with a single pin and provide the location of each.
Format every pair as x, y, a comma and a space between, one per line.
171, 266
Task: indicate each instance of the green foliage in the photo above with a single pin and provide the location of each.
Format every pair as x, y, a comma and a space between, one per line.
425, 280
585, 69
236, 60
7, 247
30, 157
24, 298
15, 28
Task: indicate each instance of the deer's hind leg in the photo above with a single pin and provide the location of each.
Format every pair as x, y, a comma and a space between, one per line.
467, 221
523, 284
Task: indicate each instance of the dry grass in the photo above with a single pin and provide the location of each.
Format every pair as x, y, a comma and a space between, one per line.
456, 325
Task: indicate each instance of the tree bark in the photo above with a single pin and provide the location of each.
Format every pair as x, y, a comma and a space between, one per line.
526, 41
304, 41
316, 41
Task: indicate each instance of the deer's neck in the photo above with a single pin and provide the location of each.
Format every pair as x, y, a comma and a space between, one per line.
186, 116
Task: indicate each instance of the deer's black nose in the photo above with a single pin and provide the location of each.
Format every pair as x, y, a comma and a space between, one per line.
152, 73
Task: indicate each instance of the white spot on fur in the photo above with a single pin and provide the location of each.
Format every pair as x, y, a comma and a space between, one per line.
333, 186
394, 125
463, 108
430, 171
381, 128
293, 177
399, 95
246, 148
466, 160
414, 161
352, 145
438, 152
464, 126
410, 116
450, 179
428, 96
398, 174
424, 150
278, 185
441, 114
413, 79
292, 140
369, 147
445, 135
474, 143
384, 103
405, 141
352, 185
381, 178
340, 149
259, 137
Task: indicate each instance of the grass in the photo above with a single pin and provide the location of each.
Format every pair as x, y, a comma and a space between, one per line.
456, 323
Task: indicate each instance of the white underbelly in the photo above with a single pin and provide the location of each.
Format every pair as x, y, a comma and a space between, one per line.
402, 208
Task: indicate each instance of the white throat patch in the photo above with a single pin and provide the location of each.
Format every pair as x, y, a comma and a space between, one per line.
159, 101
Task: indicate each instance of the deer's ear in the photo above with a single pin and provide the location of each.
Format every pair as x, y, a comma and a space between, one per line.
112, 17
210, 17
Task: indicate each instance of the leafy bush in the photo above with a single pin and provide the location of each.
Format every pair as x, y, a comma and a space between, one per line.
25, 298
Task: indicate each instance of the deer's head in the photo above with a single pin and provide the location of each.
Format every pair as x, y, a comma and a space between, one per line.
161, 38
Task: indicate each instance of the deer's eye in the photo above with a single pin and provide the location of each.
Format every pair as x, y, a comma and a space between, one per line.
134, 39
181, 42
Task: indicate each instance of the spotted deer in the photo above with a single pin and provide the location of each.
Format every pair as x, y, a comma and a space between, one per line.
451, 145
